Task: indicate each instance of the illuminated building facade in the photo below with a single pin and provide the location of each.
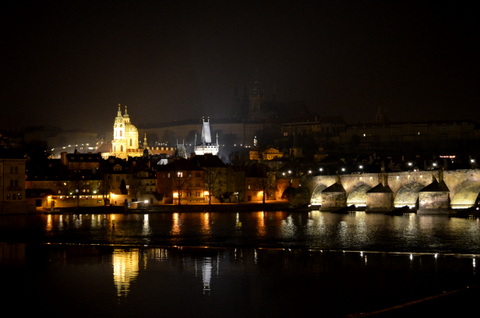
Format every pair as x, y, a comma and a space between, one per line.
182, 181
125, 142
125, 135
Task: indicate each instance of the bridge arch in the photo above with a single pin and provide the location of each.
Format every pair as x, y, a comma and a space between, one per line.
408, 195
358, 195
316, 198
466, 195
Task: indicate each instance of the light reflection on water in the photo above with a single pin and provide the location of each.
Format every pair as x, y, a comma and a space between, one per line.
125, 269
85, 280
322, 230
232, 264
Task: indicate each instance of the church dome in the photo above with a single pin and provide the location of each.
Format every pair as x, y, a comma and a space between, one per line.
131, 128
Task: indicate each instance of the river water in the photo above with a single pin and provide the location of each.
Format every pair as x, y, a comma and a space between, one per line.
228, 264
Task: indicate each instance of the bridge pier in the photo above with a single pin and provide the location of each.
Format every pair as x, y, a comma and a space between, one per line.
434, 198
333, 197
379, 199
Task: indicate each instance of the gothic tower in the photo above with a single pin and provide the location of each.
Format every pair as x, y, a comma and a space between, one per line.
255, 102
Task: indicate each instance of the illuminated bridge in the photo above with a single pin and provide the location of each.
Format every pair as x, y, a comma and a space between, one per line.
433, 191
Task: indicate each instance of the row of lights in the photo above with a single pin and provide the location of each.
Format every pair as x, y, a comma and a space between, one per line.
360, 167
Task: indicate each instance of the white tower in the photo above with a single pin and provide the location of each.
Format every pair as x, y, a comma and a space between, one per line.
206, 146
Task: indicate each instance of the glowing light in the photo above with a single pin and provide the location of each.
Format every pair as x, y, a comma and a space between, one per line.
175, 194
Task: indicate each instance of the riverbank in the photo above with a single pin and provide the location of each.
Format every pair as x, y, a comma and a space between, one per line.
171, 208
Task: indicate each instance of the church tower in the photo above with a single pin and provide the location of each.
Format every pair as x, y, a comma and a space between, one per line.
206, 145
255, 102
131, 132
125, 135
380, 116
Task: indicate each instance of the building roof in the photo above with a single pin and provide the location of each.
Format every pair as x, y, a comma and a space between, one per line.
208, 161
180, 164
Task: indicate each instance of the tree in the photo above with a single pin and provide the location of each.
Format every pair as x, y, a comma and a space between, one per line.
180, 181
214, 182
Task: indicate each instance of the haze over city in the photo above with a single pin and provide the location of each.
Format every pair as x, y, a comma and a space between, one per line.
69, 64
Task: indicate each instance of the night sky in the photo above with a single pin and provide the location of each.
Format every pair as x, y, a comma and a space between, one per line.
69, 63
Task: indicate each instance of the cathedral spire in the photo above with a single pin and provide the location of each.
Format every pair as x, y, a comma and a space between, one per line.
119, 111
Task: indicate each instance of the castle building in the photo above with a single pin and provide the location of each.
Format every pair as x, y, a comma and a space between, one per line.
125, 142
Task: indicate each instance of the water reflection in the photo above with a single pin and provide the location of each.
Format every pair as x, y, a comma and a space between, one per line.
288, 228
126, 265
261, 228
206, 274
315, 229
175, 224
227, 282
205, 223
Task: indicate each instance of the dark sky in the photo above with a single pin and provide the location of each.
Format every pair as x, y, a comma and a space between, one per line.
69, 63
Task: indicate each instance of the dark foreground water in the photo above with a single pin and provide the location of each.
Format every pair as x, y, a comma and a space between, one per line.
257, 264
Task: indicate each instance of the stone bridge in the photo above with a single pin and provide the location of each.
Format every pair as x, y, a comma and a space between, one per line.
435, 191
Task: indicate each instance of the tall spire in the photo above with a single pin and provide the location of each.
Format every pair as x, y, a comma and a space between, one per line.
206, 145
126, 116
119, 118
